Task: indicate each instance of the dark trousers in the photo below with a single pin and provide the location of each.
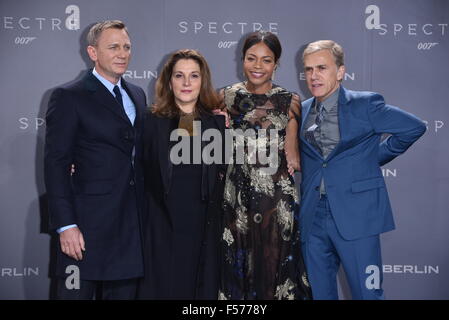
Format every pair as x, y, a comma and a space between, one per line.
99, 290
326, 249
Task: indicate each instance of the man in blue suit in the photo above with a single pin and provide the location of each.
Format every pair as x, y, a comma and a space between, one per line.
345, 204
96, 124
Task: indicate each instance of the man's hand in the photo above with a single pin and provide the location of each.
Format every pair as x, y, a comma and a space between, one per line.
72, 243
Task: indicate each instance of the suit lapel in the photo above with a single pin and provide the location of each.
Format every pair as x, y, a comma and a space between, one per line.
307, 109
103, 97
139, 109
166, 126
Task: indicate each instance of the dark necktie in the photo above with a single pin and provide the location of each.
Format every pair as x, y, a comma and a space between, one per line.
316, 126
118, 95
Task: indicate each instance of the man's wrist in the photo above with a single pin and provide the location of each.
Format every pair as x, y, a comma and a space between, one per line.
66, 227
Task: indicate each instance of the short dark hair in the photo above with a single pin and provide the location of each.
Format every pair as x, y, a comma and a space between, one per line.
268, 38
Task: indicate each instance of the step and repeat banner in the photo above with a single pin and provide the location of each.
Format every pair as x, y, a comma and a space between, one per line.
397, 48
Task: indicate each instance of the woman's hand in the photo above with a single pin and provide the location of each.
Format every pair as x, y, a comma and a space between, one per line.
223, 112
292, 161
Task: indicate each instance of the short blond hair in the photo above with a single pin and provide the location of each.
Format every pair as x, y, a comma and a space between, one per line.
332, 46
96, 30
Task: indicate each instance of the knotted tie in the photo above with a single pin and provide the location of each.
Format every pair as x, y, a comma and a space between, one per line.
118, 95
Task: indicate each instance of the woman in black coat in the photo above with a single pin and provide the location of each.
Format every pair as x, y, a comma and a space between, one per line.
184, 183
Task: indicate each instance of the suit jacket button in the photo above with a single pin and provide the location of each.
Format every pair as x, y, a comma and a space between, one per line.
317, 188
131, 183
325, 165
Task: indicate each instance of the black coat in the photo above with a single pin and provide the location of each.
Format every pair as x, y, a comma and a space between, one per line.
160, 235
87, 127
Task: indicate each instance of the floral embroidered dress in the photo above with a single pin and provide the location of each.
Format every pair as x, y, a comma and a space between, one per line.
260, 237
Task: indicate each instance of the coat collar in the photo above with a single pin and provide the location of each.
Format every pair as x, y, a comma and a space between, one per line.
105, 98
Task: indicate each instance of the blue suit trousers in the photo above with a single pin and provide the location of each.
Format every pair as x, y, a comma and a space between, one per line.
325, 250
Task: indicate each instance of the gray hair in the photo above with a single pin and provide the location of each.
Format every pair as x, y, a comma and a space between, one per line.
332, 46
96, 30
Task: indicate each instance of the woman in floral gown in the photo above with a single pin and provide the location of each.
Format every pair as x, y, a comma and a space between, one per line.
260, 237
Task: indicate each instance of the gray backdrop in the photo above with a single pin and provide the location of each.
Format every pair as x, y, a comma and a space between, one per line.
398, 48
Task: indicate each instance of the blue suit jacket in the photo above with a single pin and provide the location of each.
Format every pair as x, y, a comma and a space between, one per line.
354, 183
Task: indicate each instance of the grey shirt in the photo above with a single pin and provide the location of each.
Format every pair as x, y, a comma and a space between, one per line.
327, 135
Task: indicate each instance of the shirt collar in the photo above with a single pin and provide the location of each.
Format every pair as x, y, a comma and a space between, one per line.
330, 101
108, 84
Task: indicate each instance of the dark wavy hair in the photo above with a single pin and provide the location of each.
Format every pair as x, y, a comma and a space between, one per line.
165, 105
268, 38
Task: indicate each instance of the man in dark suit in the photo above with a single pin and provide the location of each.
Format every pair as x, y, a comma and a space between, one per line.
95, 124
345, 204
